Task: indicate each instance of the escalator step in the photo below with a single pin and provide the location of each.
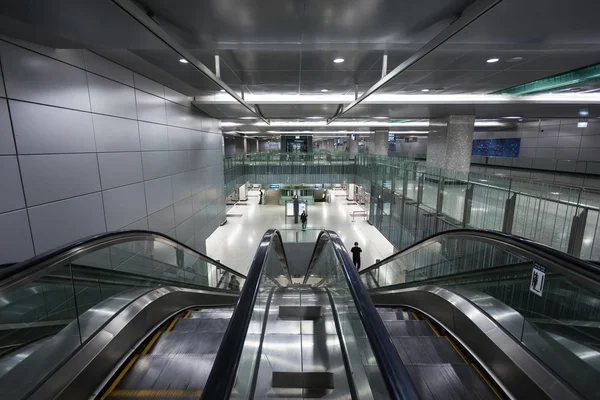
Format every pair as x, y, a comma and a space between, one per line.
409, 328
174, 372
445, 381
209, 314
300, 312
396, 315
171, 343
426, 350
208, 325
303, 380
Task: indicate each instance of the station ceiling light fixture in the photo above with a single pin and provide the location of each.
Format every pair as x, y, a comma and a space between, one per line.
514, 60
584, 112
338, 60
424, 90
183, 61
492, 60
324, 90
515, 117
222, 90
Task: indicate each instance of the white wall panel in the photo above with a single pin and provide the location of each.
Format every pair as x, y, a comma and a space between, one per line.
42, 129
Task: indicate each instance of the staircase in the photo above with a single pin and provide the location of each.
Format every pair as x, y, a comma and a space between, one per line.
272, 197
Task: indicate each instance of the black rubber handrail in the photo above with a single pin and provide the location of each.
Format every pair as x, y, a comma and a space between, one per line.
575, 268
393, 370
55, 257
223, 374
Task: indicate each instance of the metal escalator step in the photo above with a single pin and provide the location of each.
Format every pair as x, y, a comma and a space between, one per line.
208, 325
451, 382
409, 328
171, 343
176, 372
426, 350
211, 314
395, 315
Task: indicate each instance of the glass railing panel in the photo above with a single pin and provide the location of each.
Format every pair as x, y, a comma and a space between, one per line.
67, 294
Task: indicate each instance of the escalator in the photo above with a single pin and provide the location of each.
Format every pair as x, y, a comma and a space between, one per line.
139, 315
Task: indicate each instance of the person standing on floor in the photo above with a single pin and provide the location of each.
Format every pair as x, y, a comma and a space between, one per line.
356, 255
303, 218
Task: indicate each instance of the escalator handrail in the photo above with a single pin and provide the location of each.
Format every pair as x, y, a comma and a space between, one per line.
393, 370
564, 263
223, 373
61, 254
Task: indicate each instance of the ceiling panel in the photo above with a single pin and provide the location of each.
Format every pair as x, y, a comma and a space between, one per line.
298, 110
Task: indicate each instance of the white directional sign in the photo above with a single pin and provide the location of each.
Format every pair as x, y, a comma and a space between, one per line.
538, 276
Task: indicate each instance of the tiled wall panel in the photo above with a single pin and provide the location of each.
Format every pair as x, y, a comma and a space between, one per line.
99, 147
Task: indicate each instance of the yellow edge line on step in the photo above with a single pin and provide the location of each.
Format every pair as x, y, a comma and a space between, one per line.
187, 314
415, 315
171, 325
433, 328
121, 375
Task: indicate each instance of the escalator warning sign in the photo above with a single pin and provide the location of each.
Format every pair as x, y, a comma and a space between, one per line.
538, 276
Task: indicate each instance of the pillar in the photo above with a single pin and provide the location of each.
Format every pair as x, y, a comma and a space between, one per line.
352, 144
450, 142
380, 142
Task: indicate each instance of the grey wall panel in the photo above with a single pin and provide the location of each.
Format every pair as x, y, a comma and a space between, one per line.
69, 56
7, 143
124, 205
195, 159
159, 194
588, 154
200, 243
547, 141
119, 169
49, 178
214, 141
185, 230
590, 141
191, 242
15, 237
33, 77
181, 187
2, 91
197, 140
150, 108
153, 136
199, 219
567, 153
162, 221
64, 221
102, 66
179, 138
199, 201
116, 134
141, 224
197, 181
10, 185
179, 161
569, 141
156, 164
42, 129
545, 152
111, 98
183, 117
183, 210
148, 85
177, 97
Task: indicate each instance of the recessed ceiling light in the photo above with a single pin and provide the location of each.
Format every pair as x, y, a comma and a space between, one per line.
315, 117
512, 117
324, 90
183, 61
339, 60
381, 117
247, 117
493, 60
514, 60
582, 124
222, 90
584, 113
424, 90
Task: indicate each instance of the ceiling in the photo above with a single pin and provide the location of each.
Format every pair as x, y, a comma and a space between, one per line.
280, 53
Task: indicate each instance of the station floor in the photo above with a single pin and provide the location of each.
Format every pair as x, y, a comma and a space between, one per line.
235, 243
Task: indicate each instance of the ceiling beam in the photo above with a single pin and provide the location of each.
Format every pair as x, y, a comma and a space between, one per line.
143, 18
467, 17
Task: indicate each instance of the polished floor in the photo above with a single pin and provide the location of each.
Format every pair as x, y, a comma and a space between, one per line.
235, 243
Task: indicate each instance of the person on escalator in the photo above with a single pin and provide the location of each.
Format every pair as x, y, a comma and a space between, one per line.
234, 284
356, 255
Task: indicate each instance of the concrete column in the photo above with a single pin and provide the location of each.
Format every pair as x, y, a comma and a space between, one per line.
352, 144
450, 142
245, 145
380, 142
